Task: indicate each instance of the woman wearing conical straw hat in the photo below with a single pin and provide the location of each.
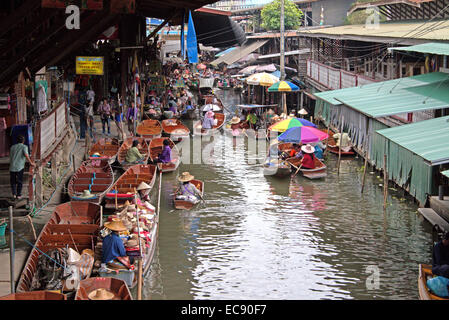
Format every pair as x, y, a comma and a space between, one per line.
188, 191
114, 252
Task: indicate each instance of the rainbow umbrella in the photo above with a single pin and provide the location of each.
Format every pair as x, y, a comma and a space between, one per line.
284, 125
303, 135
283, 86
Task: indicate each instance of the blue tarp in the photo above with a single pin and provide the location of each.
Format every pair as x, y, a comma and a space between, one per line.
192, 45
224, 52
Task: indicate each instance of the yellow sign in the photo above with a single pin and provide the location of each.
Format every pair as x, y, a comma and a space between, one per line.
90, 65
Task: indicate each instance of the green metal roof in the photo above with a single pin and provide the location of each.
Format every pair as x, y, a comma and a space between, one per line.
431, 47
424, 92
445, 173
428, 139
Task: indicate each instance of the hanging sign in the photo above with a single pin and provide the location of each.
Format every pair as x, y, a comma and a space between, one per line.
90, 65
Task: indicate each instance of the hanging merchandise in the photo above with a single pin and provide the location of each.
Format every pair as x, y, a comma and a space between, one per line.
41, 99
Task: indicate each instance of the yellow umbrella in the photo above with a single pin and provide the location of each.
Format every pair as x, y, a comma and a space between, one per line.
262, 79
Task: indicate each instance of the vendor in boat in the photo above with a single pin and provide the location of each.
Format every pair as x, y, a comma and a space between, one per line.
318, 150
165, 156
133, 155
113, 250
252, 119
440, 265
188, 191
308, 161
343, 141
144, 191
208, 122
296, 151
235, 126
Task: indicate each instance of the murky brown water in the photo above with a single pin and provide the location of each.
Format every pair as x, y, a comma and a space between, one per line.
260, 237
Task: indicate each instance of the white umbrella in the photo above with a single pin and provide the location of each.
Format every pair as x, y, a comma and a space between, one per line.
211, 107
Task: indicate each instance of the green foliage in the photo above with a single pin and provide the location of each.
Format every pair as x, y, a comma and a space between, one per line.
271, 16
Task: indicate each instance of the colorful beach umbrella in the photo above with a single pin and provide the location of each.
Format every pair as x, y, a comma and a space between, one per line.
262, 79
289, 123
303, 135
283, 86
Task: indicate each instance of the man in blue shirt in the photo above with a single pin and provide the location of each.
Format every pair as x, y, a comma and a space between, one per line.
114, 252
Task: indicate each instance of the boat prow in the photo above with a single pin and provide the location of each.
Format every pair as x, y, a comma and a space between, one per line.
116, 286
425, 272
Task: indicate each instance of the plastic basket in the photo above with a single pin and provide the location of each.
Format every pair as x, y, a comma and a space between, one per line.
3, 229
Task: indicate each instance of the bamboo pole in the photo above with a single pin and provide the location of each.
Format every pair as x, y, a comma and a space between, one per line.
32, 227
73, 163
140, 265
101, 216
364, 170
327, 140
116, 200
385, 182
339, 147
11, 250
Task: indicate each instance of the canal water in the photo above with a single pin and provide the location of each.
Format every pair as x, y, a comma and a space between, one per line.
259, 237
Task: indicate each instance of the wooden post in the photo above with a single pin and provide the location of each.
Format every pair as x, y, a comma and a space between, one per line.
339, 147
385, 182
101, 216
116, 200
139, 278
11, 250
327, 140
364, 170
73, 163
54, 169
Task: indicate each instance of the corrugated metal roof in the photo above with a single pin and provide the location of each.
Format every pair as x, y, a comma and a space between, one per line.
428, 139
381, 99
238, 53
431, 47
390, 30
288, 53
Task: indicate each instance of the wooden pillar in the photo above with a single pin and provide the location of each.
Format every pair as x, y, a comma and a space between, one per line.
54, 169
38, 196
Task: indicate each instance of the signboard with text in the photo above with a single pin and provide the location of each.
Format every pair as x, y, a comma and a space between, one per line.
90, 65
82, 4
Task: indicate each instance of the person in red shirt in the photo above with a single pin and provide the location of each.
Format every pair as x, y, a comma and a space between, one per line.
308, 161
296, 149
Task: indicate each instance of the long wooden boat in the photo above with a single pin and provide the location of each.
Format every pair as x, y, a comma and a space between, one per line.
199, 131
425, 272
212, 99
123, 189
276, 168
73, 224
107, 148
175, 130
187, 205
35, 295
147, 253
149, 129
96, 176
332, 145
156, 147
317, 173
126, 145
116, 286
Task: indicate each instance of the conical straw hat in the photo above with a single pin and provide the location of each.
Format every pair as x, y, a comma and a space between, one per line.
101, 294
143, 186
185, 177
115, 226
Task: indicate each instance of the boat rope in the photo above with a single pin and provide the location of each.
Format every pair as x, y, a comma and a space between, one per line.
33, 246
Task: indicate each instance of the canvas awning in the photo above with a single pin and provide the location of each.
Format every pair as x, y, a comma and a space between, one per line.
289, 53
381, 99
238, 53
431, 47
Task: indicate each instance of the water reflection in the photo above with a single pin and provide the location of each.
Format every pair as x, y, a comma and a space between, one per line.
261, 237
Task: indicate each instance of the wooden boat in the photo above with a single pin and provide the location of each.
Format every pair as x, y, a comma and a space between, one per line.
277, 168
35, 295
425, 272
175, 129
73, 224
93, 175
126, 145
156, 147
317, 173
199, 131
257, 135
116, 286
187, 205
107, 148
123, 188
212, 99
332, 145
149, 129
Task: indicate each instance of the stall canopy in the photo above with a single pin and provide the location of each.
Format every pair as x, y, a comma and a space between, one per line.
431, 47
445, 173
411, 152
238, 53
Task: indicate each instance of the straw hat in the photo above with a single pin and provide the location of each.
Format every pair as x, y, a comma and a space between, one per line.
143, 186
86, 195
308, 149
126, 204
115, 226
235, 120
303, 111
101, 294
210, 114
132, 243
185, 177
